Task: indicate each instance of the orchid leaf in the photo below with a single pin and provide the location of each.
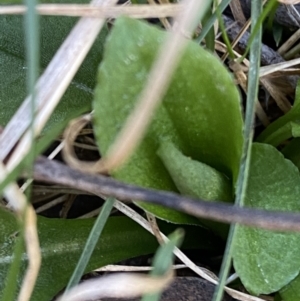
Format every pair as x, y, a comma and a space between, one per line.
194, 178
53, 31
62, 242
259, 259
200, 113
291, 292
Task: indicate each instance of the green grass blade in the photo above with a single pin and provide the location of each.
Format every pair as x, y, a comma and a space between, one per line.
210, 22
32, 48
32, 59
224, 35
255, 52
91, 242
210, 36
163, 260
12, 276
258, 23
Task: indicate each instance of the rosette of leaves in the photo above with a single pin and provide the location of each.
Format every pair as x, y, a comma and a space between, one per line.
194, 146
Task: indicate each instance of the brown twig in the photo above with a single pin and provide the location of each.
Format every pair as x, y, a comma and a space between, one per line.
55, 172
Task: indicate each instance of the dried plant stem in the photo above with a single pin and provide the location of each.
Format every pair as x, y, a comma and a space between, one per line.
17, 201
54, 172
85, 10
126, 285
33, 253
125, 268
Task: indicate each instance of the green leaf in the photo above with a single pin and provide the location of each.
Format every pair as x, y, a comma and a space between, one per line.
284, 127
277, 30
200, 112
91, 243
194, 178
259, 259
62, 242
163, 259
291, 151
54, 30
291, 292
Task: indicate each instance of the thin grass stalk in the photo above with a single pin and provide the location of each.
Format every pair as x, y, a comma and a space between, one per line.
225, 36
210, 22
253, 80
256, 27
162, 263
210, 37
91, 243
29, 216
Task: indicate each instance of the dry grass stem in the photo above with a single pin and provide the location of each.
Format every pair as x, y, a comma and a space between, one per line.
70, 134
57, 150
289, 43
164, 21
17, 201
125, 268
242, 81
154, 226
50, 87
51, 204
237, 11
156, 86
93, 11
267, 70
33, 253
90, 214
117, 286
236, 40
278, 94
289, 2
70, 198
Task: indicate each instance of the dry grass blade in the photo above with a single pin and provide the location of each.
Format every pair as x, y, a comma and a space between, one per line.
237, 11
163, 21
51, 204
117, 286
289, 43
278, 94
83, 10
289, 2
17, 201
154, 226
70, 134
33, 253
266, 70
125, 268
50, 87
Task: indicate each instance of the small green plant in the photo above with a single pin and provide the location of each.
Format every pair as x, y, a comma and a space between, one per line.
193, 146
196, 138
